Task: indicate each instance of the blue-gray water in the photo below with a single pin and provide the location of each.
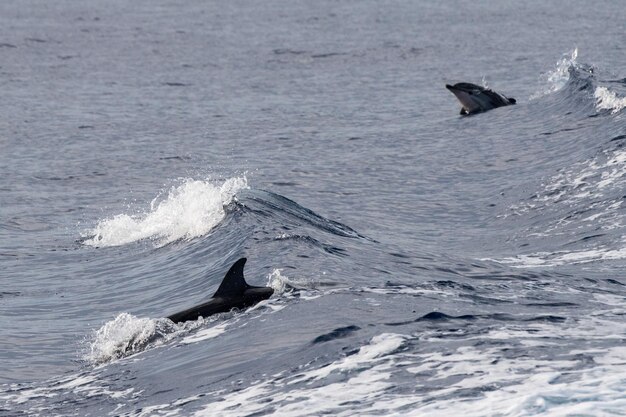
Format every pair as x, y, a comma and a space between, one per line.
424, 263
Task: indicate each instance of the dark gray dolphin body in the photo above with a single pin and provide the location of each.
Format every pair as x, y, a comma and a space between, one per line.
234, 292
476, 99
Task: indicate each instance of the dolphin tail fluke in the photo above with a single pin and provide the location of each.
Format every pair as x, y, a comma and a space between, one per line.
233, 283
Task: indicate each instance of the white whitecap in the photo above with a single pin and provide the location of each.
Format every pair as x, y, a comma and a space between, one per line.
206, 334
363, 375
127, 334
559, 76
550, 259
190, 210
608, 100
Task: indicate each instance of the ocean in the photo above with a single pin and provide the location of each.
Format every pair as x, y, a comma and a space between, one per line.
423, 263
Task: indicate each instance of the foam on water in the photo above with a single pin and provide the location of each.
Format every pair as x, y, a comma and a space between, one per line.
190, 210
591, 178
502, 372
523, 386
206, 334
362, 375
596, 392
548, 259
125, 335
585, 196
608, 100
82, 385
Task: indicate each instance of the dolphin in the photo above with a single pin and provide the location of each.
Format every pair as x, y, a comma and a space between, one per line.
476, 99
234, 292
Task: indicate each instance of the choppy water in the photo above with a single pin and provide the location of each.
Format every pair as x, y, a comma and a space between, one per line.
423, 263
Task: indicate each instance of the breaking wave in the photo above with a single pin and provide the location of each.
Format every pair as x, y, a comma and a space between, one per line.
557, 78
125, 335
190, 210
608, 100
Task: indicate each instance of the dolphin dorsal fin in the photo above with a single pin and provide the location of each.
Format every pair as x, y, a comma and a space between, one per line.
233, 283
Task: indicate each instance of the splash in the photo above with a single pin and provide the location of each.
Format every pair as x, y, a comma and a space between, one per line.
126, 335
557, 78
608, 100
278, 282
190, 210
285, 286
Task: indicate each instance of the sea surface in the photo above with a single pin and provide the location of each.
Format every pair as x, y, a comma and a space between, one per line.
424, 263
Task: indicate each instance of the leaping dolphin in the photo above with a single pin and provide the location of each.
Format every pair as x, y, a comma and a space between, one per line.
234, 292
476, 99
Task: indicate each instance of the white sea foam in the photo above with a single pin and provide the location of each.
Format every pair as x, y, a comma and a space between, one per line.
83, 385
558, 77
474, 379
126, 334
379, 346
596, 392
596, 185
523, 386
590, 178
190, 210
608, 100
593, 178
363, 375
586, 194
479, 375
206, 334
548, 259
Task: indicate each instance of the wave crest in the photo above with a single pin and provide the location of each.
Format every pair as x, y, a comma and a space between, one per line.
608, 100
190, 210
556, 79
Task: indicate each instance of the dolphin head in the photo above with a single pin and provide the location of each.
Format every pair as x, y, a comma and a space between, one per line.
475, 98
468, 95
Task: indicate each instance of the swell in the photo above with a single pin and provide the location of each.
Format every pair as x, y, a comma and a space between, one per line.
567, 207
436, 317
280, 208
